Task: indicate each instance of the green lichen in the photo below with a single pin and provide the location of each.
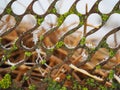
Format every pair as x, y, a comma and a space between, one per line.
116, 9
111, 51
104, 44
71, 11
40, 20
81, 20
104, 17
60, 20
79, 14
96, 7
8, 10
54, 11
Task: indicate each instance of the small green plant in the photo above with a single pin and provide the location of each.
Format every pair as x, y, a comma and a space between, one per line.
41, 37
14, 47
76, 86
90, 82
115, 86
32, 87
111, 53
53, 85
28, 54
104, 44
63, 88
43, 61
4, 58
111, 74
68, 77
7, 54
13, 67
91, 50
59, 44
25, 78
117, 11
84, 88
101, 87
98, 66
5, 82
49, 51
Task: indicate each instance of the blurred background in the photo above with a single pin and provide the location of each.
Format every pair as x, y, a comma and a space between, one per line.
62, 6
